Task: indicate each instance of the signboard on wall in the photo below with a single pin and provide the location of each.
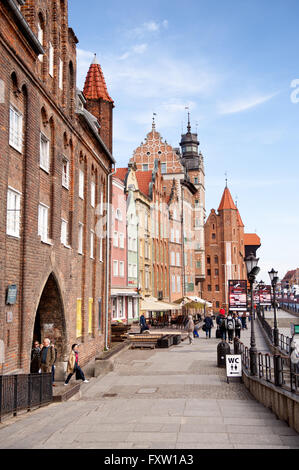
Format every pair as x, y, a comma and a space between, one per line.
11, 296
237, 295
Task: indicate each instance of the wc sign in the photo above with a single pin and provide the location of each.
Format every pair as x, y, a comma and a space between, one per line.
234, 365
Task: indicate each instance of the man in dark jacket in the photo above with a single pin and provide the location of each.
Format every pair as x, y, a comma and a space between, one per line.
35, 355
208, 325
47, 357
143, 325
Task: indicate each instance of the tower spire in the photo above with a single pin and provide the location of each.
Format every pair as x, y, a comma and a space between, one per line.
154, 123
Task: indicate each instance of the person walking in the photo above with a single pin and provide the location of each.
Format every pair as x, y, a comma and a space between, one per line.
47, 357
222, 326
73, 366
195, 332
190, 328
35, 358
243, 319
143, 325
238, 325
230, 327
208, 325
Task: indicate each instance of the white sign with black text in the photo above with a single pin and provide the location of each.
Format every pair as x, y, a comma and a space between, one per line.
234, 365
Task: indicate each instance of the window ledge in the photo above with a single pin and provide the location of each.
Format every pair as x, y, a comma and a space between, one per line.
47, 242
16, 148
13, 236
46, 170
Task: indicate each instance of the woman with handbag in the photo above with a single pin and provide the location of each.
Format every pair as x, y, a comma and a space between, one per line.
73, 366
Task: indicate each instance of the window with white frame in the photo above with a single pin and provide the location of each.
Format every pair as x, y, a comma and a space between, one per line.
92, 194
43, 213
130, 270
64, 232
60, 74
80, 238
121, 240
146, 248
115, 268
178, 259
146, 278
44, 152
121, 269
13, 213
145, 167
15, 128
81, 184
173, 283
178, 283
172, 258
40, 36
92, 244
134, 269
115, 239
51, 59
102, 203
65, 173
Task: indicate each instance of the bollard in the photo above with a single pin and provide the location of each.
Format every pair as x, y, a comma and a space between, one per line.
223, 349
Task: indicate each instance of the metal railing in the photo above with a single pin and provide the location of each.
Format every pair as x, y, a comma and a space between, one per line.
276, 369
24, 392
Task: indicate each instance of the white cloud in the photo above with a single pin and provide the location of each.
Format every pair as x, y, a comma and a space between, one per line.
149, 27
140, 48
244, 104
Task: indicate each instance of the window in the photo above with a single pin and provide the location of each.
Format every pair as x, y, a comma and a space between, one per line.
40, 36
172, 235
64, 230
217, 288
177, 236
213, 236
60, 74
65, 173
209, 288
92, 244
209, 272
118, 215
146, 278
13, 213
217, 304
80, 239
115, 268
172, 258
101, 248
81, 184
208, 260
115, 239
43, 222
134, 268
178, 280
44, 152
121, 240
102, 203
216, 272
122, 269
90, 308
197, 222
15, 129
173, 283
93, 194
163, 168
216, 260
198, 264
195, 180
178, 259
145, 167
51, 59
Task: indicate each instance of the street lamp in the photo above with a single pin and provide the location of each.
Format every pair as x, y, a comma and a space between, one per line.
252, 271
261, 285
274, 278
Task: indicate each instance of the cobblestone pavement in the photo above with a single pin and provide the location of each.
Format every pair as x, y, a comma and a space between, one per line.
175, 398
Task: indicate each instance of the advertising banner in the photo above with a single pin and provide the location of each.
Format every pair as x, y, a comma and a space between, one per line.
237, 295
265, 296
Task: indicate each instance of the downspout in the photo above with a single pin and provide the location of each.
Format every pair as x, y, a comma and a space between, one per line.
108, 254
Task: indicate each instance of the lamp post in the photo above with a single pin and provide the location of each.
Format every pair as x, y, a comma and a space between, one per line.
252, 271
274, 278
261, 285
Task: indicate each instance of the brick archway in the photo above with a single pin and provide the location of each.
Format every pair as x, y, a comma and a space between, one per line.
50, 320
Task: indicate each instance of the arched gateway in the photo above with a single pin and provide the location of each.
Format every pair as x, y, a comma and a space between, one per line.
50, 322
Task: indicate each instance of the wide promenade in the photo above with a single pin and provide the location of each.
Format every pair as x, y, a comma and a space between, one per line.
157, 399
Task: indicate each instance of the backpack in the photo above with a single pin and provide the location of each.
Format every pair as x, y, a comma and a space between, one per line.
230, 324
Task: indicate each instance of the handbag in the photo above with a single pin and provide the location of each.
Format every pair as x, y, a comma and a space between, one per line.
204, 328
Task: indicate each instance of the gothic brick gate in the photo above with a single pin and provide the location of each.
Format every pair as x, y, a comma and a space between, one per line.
50, 322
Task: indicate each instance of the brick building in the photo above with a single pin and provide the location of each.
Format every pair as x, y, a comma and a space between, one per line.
226, 247
56, 158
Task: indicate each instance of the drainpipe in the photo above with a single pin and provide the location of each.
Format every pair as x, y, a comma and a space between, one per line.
108, 254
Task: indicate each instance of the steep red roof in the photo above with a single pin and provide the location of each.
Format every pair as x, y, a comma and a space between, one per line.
121, 173
289, 275
144, 178
240, 221
95, 86
226, 201
252, 239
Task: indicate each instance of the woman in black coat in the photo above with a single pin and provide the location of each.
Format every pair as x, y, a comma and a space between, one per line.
208, 325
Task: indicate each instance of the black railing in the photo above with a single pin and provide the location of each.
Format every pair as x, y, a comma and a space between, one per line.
24, 392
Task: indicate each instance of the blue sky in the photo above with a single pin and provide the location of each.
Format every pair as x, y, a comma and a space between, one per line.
232, 63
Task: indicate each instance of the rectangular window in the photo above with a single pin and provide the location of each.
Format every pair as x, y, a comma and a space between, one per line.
178, 283
209, 288
13, 213
173, 283
81, 184
93, 194
102, 203
178, 259
217, 288
115, 239
209, 272
163, 168
196, 203
51, 59
79, 319
15, 129
121, 269
145, 167
80, 239
44, 152
172, 258
90, 309
64, 230
198, 264
216, 272
121, 240
101, 249
60, 77
92, 244
65, 173
195, 180
115, 268
43, 222
40, 36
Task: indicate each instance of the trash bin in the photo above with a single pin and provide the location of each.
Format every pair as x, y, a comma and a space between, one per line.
223, 349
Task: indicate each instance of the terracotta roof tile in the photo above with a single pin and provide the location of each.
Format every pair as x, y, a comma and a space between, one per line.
144, 178
252, 239
226, 201
240, 221
121, 173
95, 86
